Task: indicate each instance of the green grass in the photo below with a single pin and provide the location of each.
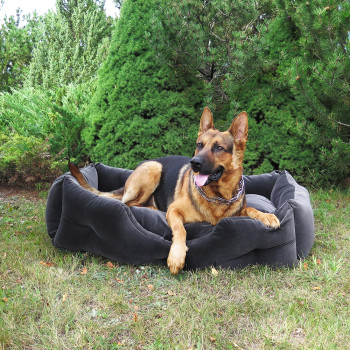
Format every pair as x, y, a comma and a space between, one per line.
79, 302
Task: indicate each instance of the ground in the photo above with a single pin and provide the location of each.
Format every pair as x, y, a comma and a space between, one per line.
55, 299
11, 193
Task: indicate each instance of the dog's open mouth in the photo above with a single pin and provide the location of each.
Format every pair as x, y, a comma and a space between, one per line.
203, 180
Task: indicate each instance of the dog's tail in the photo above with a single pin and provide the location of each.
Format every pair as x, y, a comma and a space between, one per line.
75, 171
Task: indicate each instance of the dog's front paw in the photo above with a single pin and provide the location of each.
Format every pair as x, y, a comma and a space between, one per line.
270, 220
176, 258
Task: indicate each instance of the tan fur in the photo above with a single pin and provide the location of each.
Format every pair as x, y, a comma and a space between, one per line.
188, 205
138, 188
142, 183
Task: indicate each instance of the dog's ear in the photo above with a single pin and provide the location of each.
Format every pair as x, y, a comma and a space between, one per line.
206, 120
239, 128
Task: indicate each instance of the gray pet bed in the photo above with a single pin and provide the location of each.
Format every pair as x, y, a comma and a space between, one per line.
78, 220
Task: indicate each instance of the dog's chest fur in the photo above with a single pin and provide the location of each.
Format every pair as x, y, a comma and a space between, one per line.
203, 210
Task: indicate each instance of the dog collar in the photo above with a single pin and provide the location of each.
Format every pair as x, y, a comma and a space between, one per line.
220, 200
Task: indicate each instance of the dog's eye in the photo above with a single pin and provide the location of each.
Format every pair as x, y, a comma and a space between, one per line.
219, 148
200, 145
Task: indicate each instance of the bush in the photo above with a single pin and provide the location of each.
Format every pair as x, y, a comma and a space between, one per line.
142, 108
57, 117
278, 132
26, 161
286, 63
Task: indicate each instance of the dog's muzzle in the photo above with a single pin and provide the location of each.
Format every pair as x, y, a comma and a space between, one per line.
204, 176
196, 164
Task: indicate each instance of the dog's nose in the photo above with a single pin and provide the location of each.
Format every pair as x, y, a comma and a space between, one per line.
196, 164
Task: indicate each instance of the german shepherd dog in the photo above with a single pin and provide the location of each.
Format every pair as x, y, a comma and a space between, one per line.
207, 188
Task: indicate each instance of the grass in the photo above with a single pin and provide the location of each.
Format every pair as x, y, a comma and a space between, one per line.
52, 299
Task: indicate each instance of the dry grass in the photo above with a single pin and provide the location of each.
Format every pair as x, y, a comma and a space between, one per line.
51, 299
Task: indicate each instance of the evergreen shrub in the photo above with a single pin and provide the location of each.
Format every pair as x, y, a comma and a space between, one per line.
142, 108
284, 61
26, 161
56, 118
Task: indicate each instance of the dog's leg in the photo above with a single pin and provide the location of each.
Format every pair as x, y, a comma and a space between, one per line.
269, 220
178, 249
142, 183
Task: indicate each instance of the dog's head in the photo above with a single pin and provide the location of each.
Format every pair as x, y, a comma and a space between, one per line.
218, 152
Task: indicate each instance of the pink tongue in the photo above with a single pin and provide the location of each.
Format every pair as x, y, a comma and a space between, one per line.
200, 180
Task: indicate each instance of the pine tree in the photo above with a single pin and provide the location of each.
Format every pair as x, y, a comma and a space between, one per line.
319, 77
216, 39
143, 108
16, 46
286, 62
72, 45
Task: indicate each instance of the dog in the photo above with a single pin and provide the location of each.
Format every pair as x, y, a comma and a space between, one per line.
208, 187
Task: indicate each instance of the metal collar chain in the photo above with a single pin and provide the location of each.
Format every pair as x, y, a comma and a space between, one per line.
220, 200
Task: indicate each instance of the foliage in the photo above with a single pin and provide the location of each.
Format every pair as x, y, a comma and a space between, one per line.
279, 128
26, 160
286, 62
142, 108
47, 116
319, 77
216, 39
16, 46
49, 112
277, 137
72, 43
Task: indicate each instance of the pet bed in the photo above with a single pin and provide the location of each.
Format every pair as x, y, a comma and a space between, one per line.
78, 220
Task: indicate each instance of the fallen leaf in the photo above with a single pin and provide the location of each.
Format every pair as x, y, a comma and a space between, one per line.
150, 287
170, 292
159, 315
5, 255
119, 281
318, 261
47, 264
316, 288
135, 317
305, 266
64, 297
214, 271
5, 299
212, 339
110, 265
83, 271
